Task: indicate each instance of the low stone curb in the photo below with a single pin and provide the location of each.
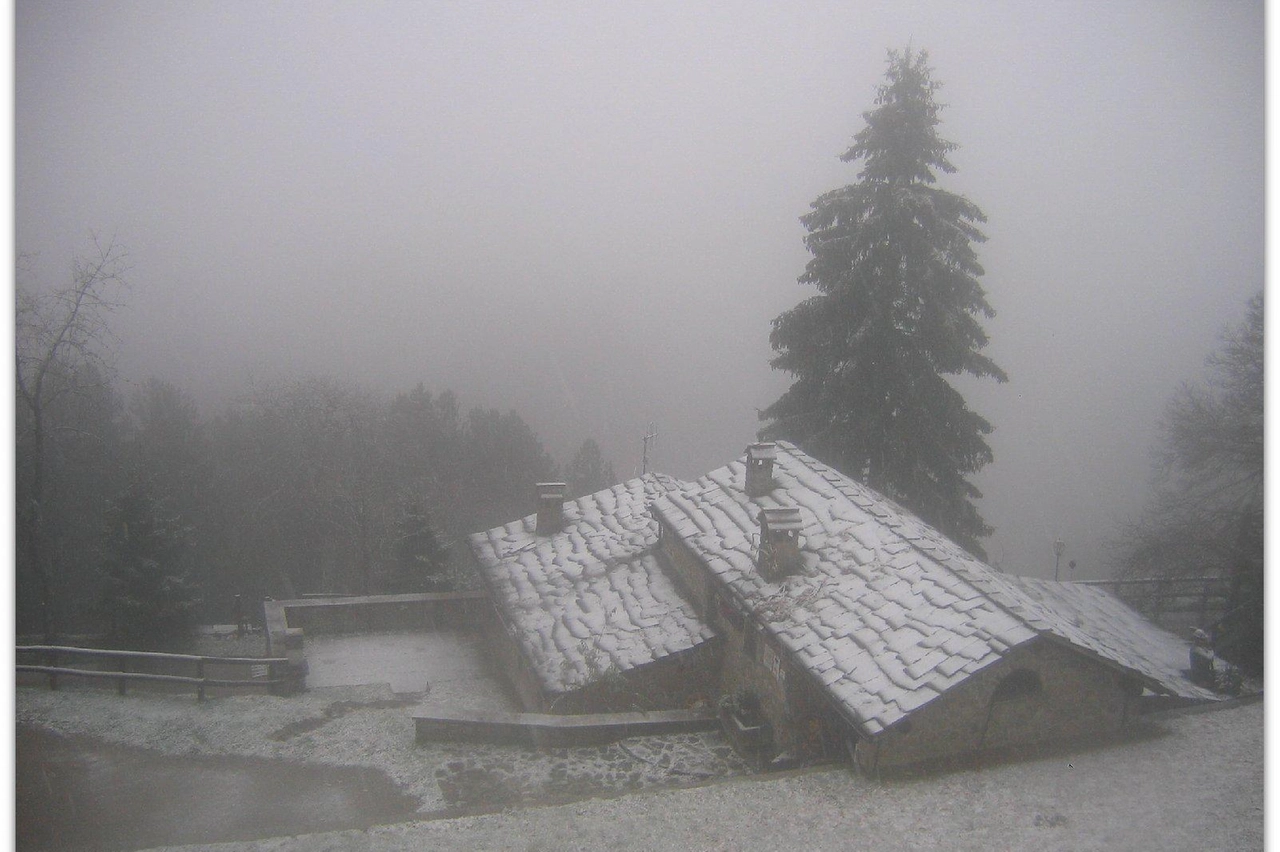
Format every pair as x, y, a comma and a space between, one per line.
543, 730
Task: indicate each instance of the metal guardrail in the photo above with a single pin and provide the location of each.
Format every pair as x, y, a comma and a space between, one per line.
270, 667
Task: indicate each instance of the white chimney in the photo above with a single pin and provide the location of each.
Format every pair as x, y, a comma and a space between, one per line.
760, 468
550, 508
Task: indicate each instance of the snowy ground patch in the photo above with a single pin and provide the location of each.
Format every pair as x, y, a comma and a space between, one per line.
448, 667
1196, 785
371, 726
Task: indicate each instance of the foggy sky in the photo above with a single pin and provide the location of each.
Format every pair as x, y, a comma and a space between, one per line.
590, 213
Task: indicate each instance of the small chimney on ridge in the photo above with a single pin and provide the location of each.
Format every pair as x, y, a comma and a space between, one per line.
550, 508
779, 542
760, 468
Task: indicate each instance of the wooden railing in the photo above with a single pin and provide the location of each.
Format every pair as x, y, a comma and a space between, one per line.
269, 672
1167, 600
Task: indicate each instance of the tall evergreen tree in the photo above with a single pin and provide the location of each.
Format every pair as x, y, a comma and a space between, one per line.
422, 562
897, 311
588, 472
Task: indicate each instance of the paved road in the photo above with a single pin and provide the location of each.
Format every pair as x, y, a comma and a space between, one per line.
76, 793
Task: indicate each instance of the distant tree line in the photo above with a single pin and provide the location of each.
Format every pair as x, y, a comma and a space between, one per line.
137, 515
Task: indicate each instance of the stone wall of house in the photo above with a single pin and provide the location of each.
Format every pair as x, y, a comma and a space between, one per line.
762, 672
679, 681
818, 729
675, 682
697, 584
1038, 693
803, 720
507, 659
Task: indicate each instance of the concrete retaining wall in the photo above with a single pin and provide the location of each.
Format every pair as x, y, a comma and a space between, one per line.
551, 731
375, 613
288, 621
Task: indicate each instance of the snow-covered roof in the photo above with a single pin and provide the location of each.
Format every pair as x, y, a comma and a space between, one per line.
885, 611
594, 593
1100, 623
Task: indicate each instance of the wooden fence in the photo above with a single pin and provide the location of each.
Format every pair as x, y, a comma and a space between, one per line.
269, 672
1173, 602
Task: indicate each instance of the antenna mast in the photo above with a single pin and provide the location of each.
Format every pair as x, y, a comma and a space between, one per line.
649, 436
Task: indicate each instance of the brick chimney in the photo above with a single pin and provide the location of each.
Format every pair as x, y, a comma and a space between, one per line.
760, 469
550, 508
779, 542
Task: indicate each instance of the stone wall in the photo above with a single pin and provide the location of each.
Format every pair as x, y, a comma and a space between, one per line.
377, 613
555, 731
804, 721
1055, 694
509, 661
695, 582
676, 681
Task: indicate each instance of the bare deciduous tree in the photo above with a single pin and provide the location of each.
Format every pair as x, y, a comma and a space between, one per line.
61, 339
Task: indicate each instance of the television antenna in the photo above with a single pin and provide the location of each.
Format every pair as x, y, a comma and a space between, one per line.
648, 438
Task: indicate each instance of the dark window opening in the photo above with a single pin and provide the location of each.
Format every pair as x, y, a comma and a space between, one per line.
749, 640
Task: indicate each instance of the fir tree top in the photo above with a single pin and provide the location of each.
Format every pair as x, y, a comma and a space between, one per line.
900, 142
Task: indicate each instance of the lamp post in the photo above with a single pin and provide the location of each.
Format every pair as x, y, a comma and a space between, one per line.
1058, 548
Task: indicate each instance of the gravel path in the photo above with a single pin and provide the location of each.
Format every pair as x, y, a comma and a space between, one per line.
1195, 784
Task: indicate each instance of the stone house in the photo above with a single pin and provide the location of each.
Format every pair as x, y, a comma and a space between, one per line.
852, 625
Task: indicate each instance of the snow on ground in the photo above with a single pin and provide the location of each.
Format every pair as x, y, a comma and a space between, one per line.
1194, 783
448, 665
372, 726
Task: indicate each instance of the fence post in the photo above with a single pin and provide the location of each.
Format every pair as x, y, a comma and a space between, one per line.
1161, 589
200, 674
123, 663
1206, 584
